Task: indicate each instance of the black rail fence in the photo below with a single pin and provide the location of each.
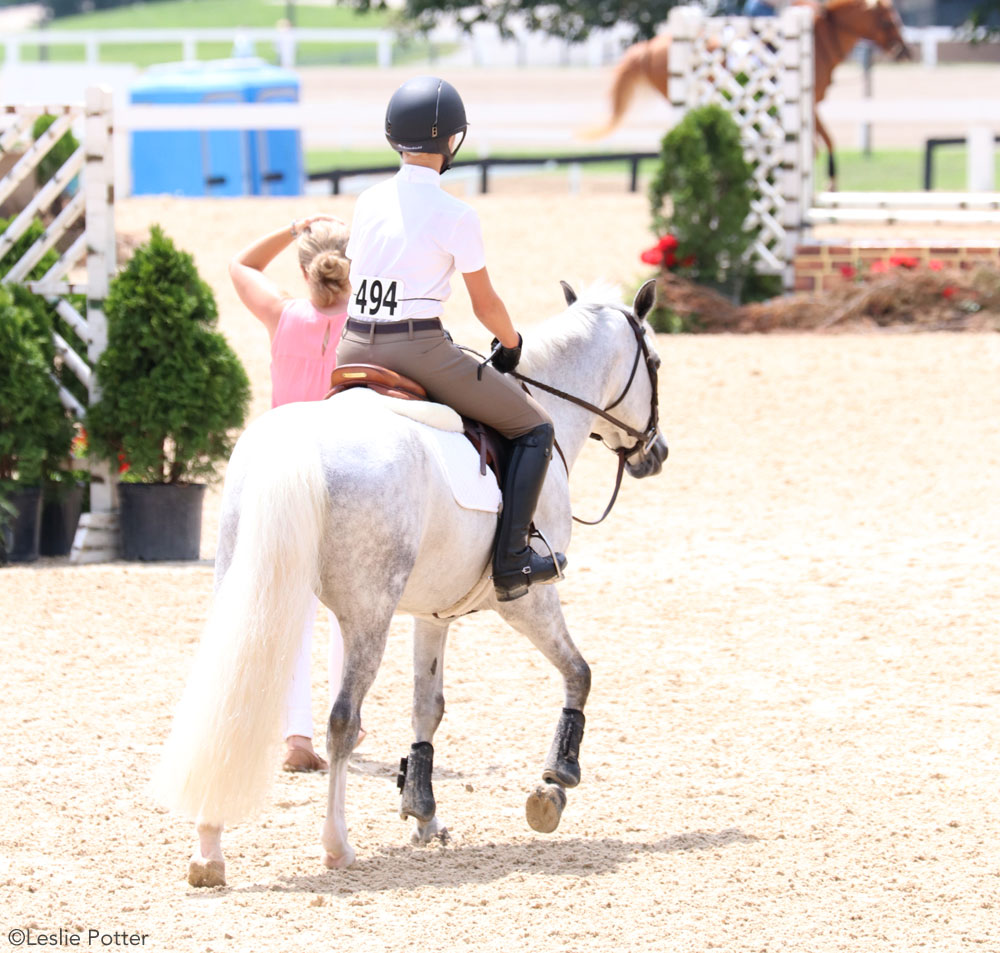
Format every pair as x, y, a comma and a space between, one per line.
930, 145
336, 176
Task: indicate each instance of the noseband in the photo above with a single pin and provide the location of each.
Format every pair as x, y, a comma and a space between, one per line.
643, 438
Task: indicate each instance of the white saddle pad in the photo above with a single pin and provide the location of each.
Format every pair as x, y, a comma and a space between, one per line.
458, 458
471, 489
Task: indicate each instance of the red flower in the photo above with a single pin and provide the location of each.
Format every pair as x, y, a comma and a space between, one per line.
848, 271
935, 264
879, 267
669, 259
903, 261
688, 261
948, 292
78, 447
667, 243
123, 465
652, 256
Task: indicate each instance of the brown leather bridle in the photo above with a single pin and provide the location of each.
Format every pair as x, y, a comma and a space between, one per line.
645, 438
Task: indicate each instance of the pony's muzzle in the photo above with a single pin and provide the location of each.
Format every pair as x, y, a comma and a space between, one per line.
650, 457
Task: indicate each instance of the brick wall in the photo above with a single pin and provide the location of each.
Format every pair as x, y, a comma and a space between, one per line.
821, 266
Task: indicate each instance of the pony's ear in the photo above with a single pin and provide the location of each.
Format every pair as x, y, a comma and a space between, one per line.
568, 292
645, 298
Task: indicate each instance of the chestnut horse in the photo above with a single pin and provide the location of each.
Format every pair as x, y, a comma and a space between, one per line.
837, 27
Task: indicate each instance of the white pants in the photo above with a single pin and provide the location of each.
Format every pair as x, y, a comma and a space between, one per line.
298, 706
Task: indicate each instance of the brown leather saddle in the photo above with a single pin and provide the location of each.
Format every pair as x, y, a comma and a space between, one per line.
490, 446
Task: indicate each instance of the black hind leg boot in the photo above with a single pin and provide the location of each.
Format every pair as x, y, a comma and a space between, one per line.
515, 564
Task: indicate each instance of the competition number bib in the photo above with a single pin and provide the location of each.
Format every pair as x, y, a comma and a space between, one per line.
377, 298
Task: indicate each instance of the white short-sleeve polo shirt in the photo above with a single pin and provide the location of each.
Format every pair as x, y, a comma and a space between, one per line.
408, 236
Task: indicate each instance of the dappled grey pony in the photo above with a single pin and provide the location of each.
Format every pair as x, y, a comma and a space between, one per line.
348, 499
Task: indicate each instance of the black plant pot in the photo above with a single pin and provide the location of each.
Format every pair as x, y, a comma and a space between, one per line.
27, 526
60, 514
160, 520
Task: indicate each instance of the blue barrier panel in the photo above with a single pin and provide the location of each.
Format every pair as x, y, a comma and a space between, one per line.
224, 161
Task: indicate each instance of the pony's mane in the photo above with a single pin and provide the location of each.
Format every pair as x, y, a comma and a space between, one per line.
558, 331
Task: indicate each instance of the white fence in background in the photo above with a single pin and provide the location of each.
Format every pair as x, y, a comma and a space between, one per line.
482, 47
981, 116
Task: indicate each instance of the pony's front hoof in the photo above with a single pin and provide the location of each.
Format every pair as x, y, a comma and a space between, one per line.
544, 808
206, 873
338, 862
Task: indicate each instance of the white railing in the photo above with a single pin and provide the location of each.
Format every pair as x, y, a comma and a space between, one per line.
244, 41
981, 117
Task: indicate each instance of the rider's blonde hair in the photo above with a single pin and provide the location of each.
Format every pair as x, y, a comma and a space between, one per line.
322, 248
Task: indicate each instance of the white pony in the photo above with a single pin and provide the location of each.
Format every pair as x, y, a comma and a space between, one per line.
347, 499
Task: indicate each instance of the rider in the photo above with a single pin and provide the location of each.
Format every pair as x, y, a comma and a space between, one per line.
407, 238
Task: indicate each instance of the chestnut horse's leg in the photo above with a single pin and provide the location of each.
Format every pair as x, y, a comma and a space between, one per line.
831, 164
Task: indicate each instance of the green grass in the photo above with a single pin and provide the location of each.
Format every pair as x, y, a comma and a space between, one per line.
196, 14
898, 170
321, 160
224, 14
891, 170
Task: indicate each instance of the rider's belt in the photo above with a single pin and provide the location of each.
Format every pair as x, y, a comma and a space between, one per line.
394, 327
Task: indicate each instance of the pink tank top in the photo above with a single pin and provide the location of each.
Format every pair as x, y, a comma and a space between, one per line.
303, 352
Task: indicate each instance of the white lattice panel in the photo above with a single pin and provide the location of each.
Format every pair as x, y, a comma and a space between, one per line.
761, 70
90, 256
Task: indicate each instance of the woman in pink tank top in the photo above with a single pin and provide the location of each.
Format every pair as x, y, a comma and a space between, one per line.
304, 334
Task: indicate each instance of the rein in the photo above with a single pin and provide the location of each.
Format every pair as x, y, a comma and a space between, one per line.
643, 438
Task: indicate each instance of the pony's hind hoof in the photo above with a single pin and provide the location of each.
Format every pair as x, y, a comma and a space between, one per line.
544, 807
207, 873
339, 861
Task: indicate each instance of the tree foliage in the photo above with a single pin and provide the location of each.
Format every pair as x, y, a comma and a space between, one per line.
53, 161
571, 20
173, 391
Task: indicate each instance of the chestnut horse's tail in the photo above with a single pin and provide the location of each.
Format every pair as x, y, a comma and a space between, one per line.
632, 69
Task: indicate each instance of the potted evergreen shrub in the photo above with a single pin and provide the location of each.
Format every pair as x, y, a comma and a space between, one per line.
173, 394
34, 426
705, 174
64, 483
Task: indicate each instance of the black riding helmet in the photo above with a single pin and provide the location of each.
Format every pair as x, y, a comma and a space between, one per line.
423, 115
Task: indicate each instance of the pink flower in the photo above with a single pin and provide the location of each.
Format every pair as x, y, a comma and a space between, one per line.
935, 264
879, 267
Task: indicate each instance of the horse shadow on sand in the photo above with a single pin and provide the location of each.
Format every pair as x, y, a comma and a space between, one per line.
456, 864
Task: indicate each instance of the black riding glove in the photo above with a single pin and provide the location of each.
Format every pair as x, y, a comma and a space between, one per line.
505, 359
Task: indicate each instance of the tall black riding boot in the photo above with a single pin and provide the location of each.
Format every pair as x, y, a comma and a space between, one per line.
515, 564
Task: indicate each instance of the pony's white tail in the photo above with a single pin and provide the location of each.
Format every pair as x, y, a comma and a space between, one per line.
220, 757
